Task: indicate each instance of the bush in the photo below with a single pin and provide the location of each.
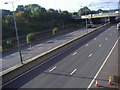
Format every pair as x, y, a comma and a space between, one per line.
30, 38
9, 43
54, 31
1, 49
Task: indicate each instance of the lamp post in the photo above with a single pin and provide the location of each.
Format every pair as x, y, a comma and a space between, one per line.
18, 44
86, 16
86, 19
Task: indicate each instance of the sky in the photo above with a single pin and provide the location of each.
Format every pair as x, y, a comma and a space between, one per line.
69, 5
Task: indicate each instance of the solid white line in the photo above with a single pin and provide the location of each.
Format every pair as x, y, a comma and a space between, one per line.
102, 64
74, 53
90, 55
73, 71
86, 45
100, 45
52, 69
110, 34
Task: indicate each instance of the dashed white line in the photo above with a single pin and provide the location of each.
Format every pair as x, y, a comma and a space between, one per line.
95, 38
13, 54
100, 45
74, 53
86, 45
60, 84
101, 34
37, 45
102, 64
52, 69
106, 38
110, 34
73, 71
90, 55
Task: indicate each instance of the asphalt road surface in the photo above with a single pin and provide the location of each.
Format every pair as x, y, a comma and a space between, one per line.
75, 67
11, 59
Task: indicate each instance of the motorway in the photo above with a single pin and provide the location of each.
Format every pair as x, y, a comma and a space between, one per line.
75, 67
11, 59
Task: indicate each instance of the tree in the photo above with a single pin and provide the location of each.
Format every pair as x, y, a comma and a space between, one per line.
20, 8
100, 11
9, 43
33, 18
54, 31
30, 38
83, 11
1, 49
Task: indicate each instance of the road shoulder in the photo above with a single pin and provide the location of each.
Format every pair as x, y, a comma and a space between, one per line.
110, 69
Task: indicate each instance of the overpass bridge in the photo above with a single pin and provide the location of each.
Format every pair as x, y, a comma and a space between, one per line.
100, 17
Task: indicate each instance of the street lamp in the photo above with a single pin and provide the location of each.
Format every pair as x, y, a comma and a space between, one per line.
19, 50
86, 15
86, 19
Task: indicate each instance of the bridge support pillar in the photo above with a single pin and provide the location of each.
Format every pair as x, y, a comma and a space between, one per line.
112, 20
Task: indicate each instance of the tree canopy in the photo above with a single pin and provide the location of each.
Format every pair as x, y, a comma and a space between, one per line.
32, 18
83, 11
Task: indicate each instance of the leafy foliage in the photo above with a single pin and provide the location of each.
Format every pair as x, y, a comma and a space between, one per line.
1, 49
32, 18
83, 11
54, 31
9, 43
30, 38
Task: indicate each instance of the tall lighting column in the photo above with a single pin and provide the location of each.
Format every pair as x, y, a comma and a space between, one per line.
15, 25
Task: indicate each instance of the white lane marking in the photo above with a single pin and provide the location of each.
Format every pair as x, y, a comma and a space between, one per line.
102, 64
60, 84
90, 55
95, 38
12, 54
100, 45
101, 34
74, 53
6, 57
110, 34
86, 45
106, 38
36, 66
73, 71
52, 69
37, 45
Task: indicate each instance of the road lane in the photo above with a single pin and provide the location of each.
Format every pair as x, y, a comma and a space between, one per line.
65, 62
28, 53
110, 69
9, 61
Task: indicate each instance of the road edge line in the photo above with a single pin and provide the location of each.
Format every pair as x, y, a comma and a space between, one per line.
103, 64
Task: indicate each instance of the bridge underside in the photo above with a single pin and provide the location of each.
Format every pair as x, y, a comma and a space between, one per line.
99, 20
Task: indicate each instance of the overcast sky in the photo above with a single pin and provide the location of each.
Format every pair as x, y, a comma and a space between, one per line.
69, 5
